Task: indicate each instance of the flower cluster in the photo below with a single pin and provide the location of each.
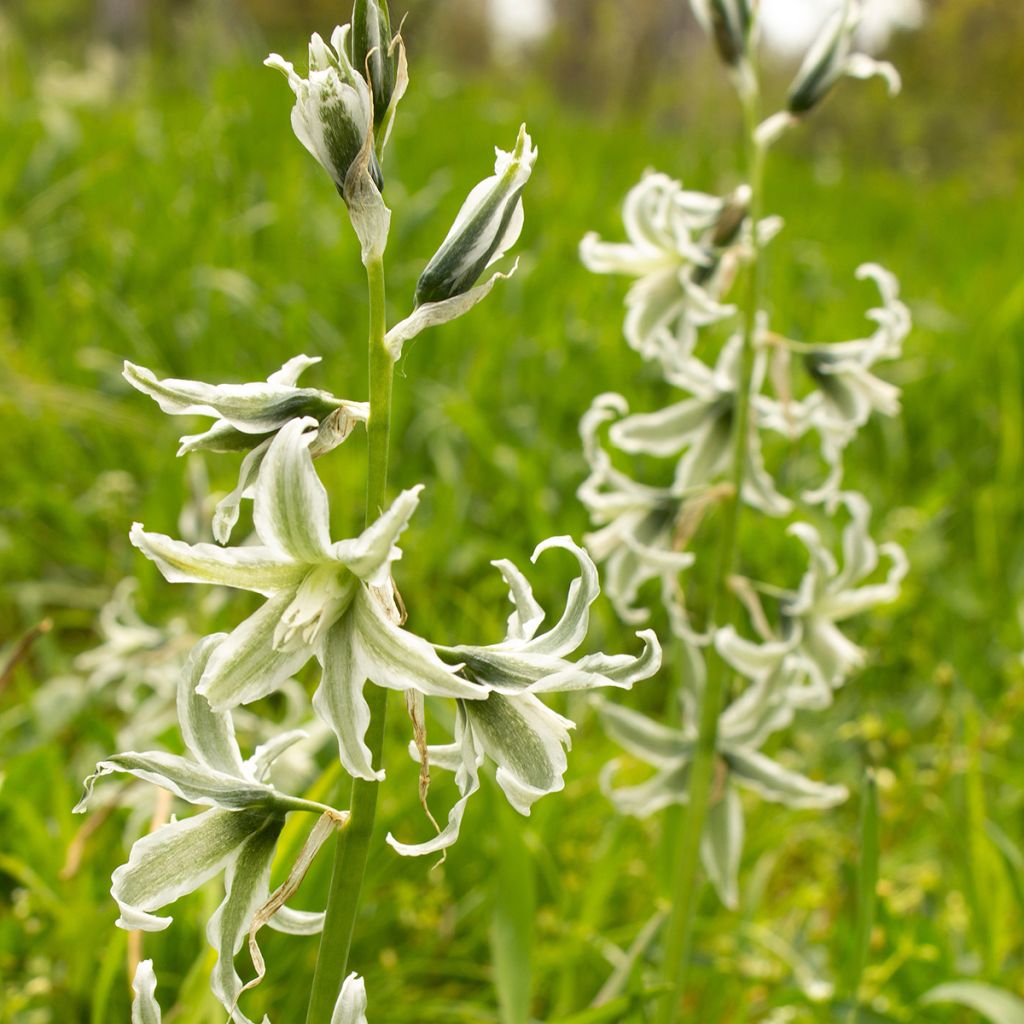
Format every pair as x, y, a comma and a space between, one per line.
749, 395
331, 602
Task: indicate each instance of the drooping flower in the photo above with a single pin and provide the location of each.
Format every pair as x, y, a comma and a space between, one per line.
638, 525
237, 835
829, 594
334, 601
512, 726
847, 391
760, 711
830, 58
703, 429
683, 250
246, 419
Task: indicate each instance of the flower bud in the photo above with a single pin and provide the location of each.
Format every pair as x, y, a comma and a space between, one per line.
830, 58
488, 224
372, 55
728, 22
331, 116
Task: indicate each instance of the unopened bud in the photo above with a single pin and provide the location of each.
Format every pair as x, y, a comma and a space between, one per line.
331, 116
488, 224
830, 58
728, 22
372, 53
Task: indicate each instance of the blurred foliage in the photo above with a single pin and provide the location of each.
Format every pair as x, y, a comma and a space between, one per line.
156, 207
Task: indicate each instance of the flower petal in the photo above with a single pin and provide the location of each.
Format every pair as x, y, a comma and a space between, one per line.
290, 509
246, 665
772, 782
260, 569
247, 887
393, 657
370, 554
208, 734
464, 759
176, 859
339, 700
351, 1005
145, 1008
569, 632
650, 741
722, 844
192, 782
527, 740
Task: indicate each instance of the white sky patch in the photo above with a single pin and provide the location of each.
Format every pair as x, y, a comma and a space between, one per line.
791, 25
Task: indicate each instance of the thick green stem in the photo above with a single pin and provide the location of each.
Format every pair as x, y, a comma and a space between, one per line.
353, 843
690, 829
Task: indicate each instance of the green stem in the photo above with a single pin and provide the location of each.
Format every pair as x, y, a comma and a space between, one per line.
353, 843
690, 829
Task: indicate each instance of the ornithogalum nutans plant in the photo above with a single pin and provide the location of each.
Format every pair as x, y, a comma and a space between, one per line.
335, 602
695, 309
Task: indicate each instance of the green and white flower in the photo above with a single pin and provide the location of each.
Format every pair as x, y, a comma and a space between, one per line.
809, 644
847, 390
487, 226
702, 428
762, 710
334, 601
830, 58
683, 250
333, 112
246, 419
237, 835
829, 594
638, 525
512, 727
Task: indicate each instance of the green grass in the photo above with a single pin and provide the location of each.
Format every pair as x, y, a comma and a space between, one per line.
181, 226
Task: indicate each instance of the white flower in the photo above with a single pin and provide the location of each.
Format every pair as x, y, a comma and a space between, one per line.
829, 594
351, 1005
332, 116
680, 273
524, 737
334, 601
703, 429
760, 711
237, 835
637, 523
847, 390
247, 417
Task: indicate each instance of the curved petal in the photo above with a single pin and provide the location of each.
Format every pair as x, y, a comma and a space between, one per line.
145, 1008
290, 509
370, 554
209, 735
260, 569
176, 859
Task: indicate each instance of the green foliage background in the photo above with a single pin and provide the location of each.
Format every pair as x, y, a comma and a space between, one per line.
177, 223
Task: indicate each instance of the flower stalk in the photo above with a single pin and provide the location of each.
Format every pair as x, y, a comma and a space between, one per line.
353, 843
691, 824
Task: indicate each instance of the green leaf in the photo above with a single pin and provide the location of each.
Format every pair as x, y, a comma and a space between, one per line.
998, 1005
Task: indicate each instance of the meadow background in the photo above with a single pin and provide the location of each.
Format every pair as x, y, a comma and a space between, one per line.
155, 206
